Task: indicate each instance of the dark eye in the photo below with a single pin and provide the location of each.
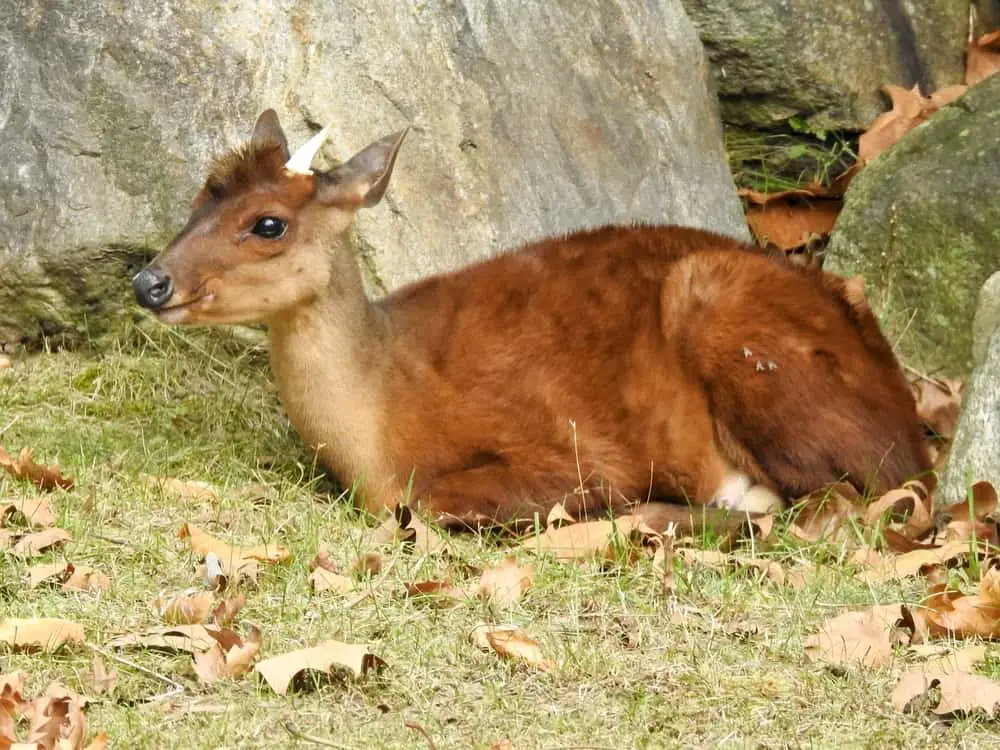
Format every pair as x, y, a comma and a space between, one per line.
269, 227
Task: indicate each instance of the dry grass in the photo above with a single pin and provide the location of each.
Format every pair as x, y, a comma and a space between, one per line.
723, 666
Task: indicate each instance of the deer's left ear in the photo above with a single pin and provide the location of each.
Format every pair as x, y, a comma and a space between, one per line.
361, 182
267, 132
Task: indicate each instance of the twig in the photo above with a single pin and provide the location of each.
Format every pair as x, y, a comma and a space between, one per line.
10, 424
294, 731
417, 728
175, 687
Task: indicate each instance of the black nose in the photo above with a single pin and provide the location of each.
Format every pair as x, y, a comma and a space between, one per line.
152, 287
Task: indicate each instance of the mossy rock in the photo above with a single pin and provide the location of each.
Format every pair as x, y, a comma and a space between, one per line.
922, 224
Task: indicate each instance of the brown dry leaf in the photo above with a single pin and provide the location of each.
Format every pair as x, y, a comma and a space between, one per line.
506, 583
896, 567
217, 574
183, 489
322, 560
711, 558
864, 638
905, 502
511, 642
370, 563
72, 577
34, 544
939, 402
39, 633
46, 478
445, 589
169, 638
587, 539
203, 543
230, 657
771, 569
86, 578
982, 58
279, 671
226, 610
961, 692
908, 111
504, 744
415, 533
326, 580
790, 221
186, 608
974, 518
826, 513
958, 615
104, 681
558, 516
36, 512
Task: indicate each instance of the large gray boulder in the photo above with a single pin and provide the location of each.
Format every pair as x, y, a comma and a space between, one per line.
975, 452
922, 224
824, 60
528, 120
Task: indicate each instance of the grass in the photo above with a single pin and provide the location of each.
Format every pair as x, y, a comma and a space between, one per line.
722, 667
771, 162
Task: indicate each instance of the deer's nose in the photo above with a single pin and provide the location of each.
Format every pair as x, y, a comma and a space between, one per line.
153, 287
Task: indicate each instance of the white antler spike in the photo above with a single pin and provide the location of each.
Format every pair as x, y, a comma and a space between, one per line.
301, 161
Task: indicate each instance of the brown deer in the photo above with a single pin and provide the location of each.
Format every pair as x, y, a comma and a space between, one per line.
604, 368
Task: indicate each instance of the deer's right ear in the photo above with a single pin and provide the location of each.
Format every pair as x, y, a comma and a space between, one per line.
268, 133
362, 181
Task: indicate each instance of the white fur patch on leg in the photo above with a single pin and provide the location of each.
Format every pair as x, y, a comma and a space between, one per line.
737, 494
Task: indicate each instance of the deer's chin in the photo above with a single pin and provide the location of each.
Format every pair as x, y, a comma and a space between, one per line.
187, 313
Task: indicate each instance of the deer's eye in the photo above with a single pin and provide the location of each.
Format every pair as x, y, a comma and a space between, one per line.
270, 228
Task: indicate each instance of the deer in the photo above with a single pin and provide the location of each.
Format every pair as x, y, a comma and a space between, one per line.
613, 369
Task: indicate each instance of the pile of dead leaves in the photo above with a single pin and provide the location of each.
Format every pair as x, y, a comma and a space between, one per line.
51, 721
798, 222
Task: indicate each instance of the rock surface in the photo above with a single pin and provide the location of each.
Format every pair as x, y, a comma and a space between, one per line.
922, 224
527, 121
975, 453
824, 60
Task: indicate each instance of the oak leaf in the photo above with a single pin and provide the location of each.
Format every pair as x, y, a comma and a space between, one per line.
866, 637
588, 539
185, 608
46, 478
34, 544
189, 638
39, 633
230, 657
982, 58
36, 512
326, 580
506, 583
405, 526
511, 642
183, 489
279, 671
71, 577
203, 543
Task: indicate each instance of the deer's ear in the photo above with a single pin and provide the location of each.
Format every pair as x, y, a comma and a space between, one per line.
362, 181
268, 133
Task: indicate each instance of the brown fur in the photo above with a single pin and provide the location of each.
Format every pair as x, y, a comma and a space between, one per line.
601, 368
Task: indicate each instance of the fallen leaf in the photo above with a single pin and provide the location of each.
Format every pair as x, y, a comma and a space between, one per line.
203, 543
230, 657
588, 539
186, 608
325, 580
790, 221
961, 692
370, 563
71, 577
217, 573
896, 567
504, 744
558, 516
36, 512
405, 526
506, 583
39, 633
939, 402
183, 489
973, 518
958, 615
189, 638
322, 560
46, 478
444, 589
104, 681
909, 109
905, 502
982, 58
225, 612
511, 642
826, 513
279, 671
32, 545
864, 637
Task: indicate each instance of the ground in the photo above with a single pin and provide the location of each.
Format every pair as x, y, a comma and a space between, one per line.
721, 665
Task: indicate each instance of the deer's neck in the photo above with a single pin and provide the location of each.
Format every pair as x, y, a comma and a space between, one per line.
330, 358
